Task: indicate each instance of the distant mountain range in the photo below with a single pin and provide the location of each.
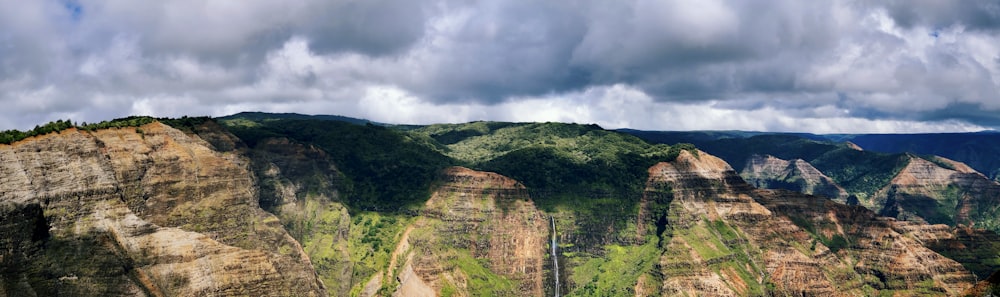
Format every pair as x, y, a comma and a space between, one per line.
979, 150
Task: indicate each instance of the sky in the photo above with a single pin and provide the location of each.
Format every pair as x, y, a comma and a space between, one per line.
898, 66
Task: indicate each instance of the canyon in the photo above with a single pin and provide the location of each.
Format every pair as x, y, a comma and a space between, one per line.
234, 209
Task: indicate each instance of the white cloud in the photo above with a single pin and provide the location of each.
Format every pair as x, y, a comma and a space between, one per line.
817, 66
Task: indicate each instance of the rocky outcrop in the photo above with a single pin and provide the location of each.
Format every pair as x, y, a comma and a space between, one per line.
721, 237
977, 249
769, 172
942, 192
480, 234
140, 211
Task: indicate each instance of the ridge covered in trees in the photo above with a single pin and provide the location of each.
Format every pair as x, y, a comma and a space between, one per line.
183, 123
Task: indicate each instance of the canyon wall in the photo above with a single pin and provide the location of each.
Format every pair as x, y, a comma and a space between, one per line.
147, 211
480, 234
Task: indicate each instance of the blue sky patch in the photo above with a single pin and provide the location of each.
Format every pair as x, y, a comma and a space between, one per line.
74, 8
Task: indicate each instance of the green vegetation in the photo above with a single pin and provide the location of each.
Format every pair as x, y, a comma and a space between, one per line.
481, 280
835, 242
452, 133
597, 175
940, 162
860, 172
184, 123
722, 250
736, 151
616, 273
560, 163
371, 241
133, 121
11, 136
384, 169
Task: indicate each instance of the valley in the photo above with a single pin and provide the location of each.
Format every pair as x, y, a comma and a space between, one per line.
288, 205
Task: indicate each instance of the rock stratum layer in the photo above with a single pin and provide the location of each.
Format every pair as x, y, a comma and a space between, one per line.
152, 211
942, 192
928, 189
769, 172
721, 237
479, 234
146, 211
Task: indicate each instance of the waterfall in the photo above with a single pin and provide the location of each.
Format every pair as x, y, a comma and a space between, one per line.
555, 256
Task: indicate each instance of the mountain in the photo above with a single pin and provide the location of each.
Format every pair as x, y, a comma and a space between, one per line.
902, 185
979, 150
941, 191
769, 172
146, 210
264, 116
262, 205
722, 237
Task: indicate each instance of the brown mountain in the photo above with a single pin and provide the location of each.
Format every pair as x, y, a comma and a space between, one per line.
941, 192
769, 172
724, 238
474, 215
929, 189
139, 211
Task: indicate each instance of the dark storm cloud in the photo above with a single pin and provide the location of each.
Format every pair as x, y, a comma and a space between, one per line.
375, 27
886, 64
973, 14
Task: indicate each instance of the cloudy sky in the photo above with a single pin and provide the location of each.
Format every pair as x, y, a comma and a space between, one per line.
768, 65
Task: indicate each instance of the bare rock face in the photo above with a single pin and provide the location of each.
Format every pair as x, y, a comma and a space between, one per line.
721, 237
146, 211
942, 192
480, 234
768, 172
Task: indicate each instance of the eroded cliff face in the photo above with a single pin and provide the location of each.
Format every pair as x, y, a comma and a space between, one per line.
140, 211
721, 237
942, 192
931, 189
479, 234
769, 172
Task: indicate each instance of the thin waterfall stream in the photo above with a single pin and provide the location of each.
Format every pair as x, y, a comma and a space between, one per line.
555, 257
